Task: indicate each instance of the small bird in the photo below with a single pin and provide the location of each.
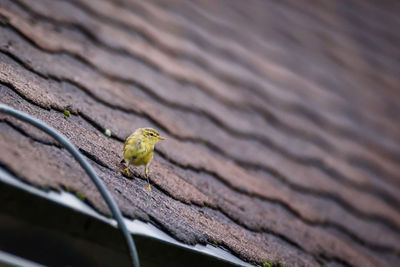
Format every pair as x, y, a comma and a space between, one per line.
139, 149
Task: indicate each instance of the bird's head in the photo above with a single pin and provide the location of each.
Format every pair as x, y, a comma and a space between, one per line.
151, 136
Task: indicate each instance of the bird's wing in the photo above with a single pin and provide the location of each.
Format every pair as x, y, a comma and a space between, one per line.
132, 146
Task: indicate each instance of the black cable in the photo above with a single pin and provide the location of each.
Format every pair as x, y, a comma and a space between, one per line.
89, 170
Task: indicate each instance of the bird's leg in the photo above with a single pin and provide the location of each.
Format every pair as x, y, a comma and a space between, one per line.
127, 171
126, 163
146, 172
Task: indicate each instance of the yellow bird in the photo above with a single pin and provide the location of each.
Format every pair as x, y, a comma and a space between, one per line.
139, 149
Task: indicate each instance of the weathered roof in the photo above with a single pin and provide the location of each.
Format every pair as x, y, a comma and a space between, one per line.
283, 140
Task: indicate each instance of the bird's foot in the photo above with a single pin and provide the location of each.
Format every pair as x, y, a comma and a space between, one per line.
126, 170
148, 187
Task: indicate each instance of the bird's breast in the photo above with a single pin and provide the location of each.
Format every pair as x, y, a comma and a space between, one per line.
144, 158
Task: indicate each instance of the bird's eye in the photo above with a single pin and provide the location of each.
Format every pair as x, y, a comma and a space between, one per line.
151, 134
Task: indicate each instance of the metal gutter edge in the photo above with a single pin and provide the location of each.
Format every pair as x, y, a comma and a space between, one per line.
136, 227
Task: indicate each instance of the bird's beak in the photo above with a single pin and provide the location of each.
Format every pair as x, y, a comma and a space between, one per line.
161, 138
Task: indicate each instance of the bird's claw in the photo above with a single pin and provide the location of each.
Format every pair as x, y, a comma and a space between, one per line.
126, 170
148, 187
